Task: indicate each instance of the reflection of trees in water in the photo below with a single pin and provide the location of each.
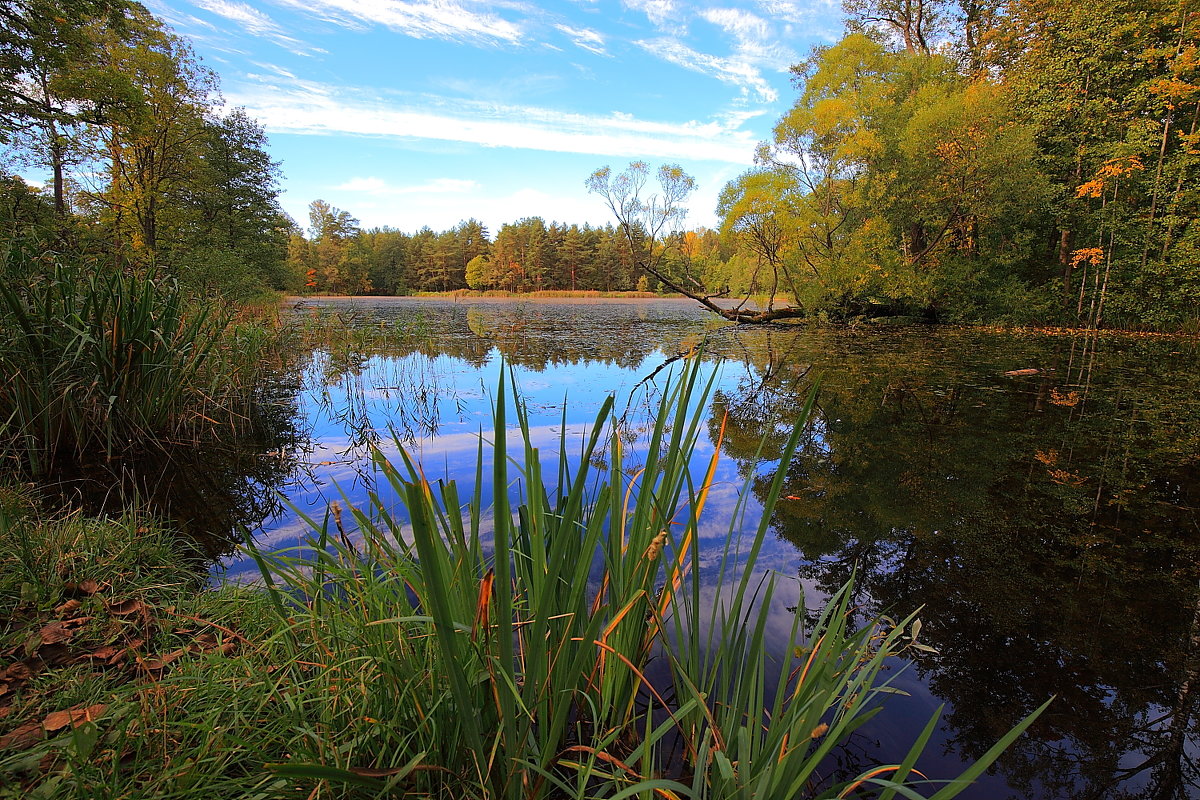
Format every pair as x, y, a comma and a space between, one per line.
209, 489
374, 385
531, 335
1047, 524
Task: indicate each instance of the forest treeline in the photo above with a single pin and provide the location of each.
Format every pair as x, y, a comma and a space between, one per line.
524, 256
960, 160
1026, 161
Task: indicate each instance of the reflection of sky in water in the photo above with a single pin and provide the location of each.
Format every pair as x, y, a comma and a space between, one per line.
416, 395
905, 420
457, 401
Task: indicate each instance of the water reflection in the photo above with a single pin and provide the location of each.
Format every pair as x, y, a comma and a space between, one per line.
210, 489
1046, 523
1036, 495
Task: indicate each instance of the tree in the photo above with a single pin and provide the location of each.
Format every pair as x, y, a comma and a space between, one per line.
52, 40
480, 273
575, 256
54, 79
647, 219
336, 267
916, 23
233, 215
759, 209
1113, 90
152, 146
913, 184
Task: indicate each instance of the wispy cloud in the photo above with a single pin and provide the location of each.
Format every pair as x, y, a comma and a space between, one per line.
754, 39
251, 19
177, 18
662, 13
305, 107
736, 70
821, 18
588, 39
253, 22
792, 11
442, 19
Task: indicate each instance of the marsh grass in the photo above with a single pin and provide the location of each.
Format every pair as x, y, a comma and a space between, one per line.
448, 650
99, 364
203, 724
484, 655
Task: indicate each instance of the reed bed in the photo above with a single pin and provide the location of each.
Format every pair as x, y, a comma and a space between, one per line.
442, 651
101, 363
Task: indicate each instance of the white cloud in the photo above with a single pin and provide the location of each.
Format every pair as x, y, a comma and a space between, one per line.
791, 11
660, 12
176, 18
588, 39
302, 107
742, 24
253, 20
378, 203
736, 70
255, 23
754, 38
441, 19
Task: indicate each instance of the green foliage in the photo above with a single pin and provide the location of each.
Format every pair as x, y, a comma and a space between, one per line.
1116, 126
528, 255
233, 235
1010, 174
890, 168
101, 363
105, 88
483, 656
479, 273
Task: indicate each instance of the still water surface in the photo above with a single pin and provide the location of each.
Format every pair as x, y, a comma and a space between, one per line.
1046, 522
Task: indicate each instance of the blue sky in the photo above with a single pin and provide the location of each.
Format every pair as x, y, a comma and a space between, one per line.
432, 111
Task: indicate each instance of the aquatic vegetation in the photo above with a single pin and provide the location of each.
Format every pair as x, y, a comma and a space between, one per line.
407, 658
556, 647
100, 363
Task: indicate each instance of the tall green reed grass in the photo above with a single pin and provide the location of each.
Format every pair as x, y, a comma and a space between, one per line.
457, 653
100, 363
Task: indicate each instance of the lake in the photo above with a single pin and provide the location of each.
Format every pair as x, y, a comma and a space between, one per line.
1034, 495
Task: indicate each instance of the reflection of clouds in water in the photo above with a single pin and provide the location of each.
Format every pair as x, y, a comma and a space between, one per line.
790, 595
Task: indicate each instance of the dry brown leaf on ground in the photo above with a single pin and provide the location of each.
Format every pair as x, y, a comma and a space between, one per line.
123, 608
104, 653
19, 671
156, 664
68, 607
76, 716
23, 736
33, 732
60, 630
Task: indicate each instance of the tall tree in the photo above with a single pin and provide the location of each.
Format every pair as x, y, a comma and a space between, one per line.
337, 268
54, 79
760, 209
232, 215
152, 146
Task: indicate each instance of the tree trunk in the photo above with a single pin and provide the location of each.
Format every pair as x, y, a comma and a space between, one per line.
1064, 260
